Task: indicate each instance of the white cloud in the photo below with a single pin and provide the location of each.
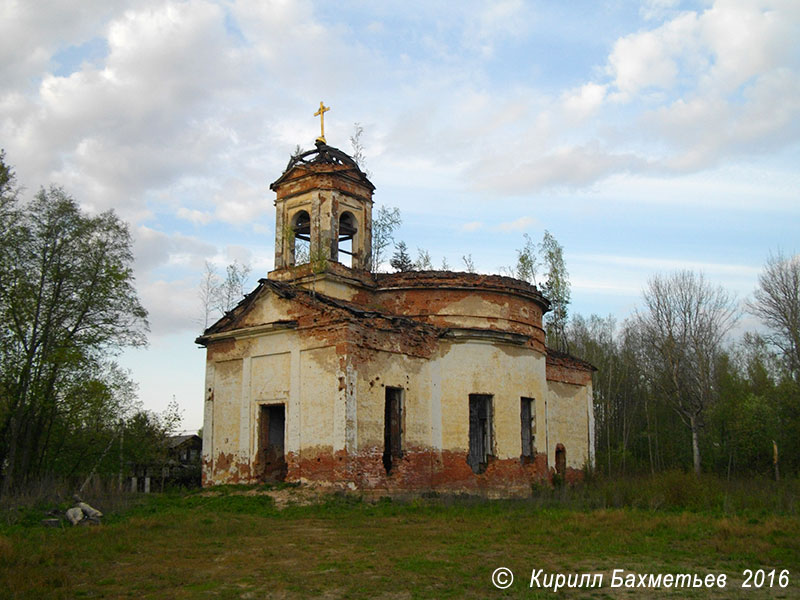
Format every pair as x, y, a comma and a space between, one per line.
198, 217
570, 166
713, 52
658, 58
239, 201
471, 226
172, 306
31, 32
682, 96
135, 122
745, 39
240, 254
655, 9
188, 89
521, 224
702, 130
668, 264
495, 21
154, 248
584, 101
294, 48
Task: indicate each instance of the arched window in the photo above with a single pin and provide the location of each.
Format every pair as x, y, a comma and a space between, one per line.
348, 229
561, 459
301, 238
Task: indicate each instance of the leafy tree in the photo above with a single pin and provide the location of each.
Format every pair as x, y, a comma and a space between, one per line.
89, 418
384, 222
67, 302
682, 327
357, 147
557, 290
207, 293
6, 176
423, 262
218, 296
527, 261
9, 214
468, 263
744, 419
550, 255
145, 436
401, 261
232, 289
777, 304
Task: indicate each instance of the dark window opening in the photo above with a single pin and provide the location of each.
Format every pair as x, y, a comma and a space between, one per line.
348, 228
561, 459
527, 417
480, 432
392, 428
301, 238
271, 431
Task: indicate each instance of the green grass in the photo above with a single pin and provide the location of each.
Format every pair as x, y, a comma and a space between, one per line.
232, 545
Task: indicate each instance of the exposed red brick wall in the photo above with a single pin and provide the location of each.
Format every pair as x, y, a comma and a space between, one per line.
567, 369
419, 469
308, 178
568, 375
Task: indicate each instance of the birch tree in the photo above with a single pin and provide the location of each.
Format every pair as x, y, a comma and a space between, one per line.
777, 303
384, 222
682, 326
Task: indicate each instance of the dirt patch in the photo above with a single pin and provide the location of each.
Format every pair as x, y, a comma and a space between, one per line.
300, 495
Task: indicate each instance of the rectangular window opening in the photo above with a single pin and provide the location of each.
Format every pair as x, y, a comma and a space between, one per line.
392, 428
480, 432
527, 417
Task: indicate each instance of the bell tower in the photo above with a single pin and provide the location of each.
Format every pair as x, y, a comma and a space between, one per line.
324, 200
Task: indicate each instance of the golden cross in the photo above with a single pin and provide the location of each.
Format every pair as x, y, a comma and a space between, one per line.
321, 114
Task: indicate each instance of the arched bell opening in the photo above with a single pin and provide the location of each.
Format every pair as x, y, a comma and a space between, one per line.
347, 243
300, 238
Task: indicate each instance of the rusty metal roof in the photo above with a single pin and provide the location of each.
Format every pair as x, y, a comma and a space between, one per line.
323, 155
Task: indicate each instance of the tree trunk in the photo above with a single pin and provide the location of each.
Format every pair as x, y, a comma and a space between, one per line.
10, 460
649, 438
695, 444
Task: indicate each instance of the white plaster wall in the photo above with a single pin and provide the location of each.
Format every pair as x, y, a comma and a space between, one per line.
319, 387
412, 375
570, 422
227, 403
505, 372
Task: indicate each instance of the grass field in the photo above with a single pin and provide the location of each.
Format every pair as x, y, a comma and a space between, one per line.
241, 543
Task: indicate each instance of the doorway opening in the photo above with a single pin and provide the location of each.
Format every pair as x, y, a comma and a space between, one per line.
392, 428
271, 433
561, 459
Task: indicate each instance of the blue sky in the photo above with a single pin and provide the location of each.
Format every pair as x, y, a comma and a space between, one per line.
645, 136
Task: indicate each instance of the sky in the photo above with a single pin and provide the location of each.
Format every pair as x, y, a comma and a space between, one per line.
645, 136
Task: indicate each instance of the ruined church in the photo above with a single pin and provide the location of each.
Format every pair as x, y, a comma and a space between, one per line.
420, 380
